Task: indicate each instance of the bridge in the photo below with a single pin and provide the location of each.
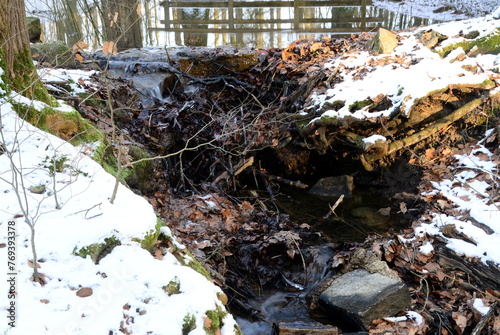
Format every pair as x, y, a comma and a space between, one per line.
298, 16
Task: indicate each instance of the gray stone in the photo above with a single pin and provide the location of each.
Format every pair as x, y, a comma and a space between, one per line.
357, 298
333, 187
384, 42
40, 189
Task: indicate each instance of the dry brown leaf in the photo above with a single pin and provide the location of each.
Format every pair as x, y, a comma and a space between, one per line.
158, 255
30, 264
109, 48
460, 320
246, 205
79, 46
112, 20
79, 58
207, 323
84, 292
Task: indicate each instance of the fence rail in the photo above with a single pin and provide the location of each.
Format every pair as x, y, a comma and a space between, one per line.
234, 22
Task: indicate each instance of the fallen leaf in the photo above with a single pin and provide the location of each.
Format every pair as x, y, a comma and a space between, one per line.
158, 255
84, 292
109, 48
460, 320
79, 46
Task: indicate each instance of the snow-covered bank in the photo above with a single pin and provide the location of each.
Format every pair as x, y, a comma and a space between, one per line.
128, 286
439, 10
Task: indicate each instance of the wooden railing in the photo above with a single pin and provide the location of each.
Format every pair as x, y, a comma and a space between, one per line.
233, 21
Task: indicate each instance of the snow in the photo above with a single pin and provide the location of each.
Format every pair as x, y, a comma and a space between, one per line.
480, 307
129, 276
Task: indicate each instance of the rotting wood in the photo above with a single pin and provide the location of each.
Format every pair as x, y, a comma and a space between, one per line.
369, 158
487, 275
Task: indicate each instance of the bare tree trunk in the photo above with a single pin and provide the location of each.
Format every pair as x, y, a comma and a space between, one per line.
122, 23
15, 51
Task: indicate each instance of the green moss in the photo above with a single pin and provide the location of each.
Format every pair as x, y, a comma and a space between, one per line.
68, 125
151, 238
26, 80
98, 251
216, 316
56, 53
489, 44
359, 105
189, 324
105, 157
173, 287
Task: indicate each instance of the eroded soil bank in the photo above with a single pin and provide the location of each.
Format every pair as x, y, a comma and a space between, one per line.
230, 139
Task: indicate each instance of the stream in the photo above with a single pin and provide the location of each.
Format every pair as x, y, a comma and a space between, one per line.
371, 209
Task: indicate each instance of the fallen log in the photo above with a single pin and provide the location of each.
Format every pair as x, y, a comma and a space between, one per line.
369, 158
487, 275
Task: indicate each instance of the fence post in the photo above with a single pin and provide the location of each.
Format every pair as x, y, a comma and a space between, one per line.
230, 14
296, 15
166, 8
363, 15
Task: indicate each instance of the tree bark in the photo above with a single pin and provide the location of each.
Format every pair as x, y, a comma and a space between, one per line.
122, 23
20, 72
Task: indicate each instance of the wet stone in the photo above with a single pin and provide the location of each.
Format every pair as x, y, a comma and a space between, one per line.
357, 298
333, 187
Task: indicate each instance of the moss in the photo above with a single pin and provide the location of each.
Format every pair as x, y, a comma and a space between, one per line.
56, 53
489, 44
98, 251
69, 126
26, 80
189, 324
359, 105
216, 317
105, 157
149, 241
173, 287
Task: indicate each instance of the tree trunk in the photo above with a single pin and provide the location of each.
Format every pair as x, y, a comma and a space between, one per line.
122, 23
20, 71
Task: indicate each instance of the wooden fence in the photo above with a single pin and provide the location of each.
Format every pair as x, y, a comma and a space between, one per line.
232, 19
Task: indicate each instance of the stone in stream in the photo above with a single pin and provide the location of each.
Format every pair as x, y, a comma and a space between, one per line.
356, 298
333, 187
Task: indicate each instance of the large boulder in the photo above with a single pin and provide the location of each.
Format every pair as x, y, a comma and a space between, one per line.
356, 298
333, 187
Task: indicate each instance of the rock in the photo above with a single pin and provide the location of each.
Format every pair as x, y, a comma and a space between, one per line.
372, 216
368, 260
40, 189
333, 187
303, 328
56, 54
430, 38
357, 298
384, 42
84, 292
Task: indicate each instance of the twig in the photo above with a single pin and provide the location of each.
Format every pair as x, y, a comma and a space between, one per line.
480, 325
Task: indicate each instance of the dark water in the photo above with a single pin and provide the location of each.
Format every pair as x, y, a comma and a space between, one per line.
366, 212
